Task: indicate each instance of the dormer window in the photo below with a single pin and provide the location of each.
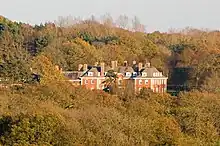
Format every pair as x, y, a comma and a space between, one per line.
90, 73
144, 74
134, 73
128, 74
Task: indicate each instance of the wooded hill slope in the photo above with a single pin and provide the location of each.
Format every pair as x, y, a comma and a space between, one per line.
52, 112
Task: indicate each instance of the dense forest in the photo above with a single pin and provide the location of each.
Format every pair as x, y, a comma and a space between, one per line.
53, 112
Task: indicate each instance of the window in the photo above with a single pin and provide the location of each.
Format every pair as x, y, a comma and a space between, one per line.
154, 74
99, 73
140, 89
92, 82
90, 73
146, 81
128, 74
140, 82
144, 74
86, 81
134, 74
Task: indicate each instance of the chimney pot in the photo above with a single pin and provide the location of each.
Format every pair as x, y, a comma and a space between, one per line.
80, 67
134, 62
85, 67
140, 66
102, 68
113, 64
125, 63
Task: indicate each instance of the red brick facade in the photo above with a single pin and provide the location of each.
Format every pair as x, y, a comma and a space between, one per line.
136, 77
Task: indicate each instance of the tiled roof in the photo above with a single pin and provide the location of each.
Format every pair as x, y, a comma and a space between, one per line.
150, 72
73, 75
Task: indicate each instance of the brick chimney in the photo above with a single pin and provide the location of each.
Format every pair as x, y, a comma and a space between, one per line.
116, 64
102, 64
80, 66
85, 67
140, 66
134, 62
147, 63
113, 64
126, 63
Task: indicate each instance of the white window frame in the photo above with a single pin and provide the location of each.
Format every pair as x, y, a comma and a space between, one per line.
144, 74
134, 73
86, 81
90, 73
92, 81
128, 74
140, 82
146, 81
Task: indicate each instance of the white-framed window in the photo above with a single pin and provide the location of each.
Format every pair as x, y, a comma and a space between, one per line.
144, 74
139, 89
99, 73
154, 74
92, 81
90, 73
134, 73
140, 82
86, 81
128, 74
146, 81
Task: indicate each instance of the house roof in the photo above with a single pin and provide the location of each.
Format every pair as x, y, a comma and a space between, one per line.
73, 75
150, 72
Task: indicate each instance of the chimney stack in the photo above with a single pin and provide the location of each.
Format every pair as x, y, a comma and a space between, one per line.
140, 65
102, 68
126, 63
113, 64
116, 64
134, 62
147, 63
80, 66
85, 67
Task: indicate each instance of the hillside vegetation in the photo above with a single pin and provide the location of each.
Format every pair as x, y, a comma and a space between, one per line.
53, 112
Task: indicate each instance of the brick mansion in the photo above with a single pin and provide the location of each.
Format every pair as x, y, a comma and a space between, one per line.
137, 75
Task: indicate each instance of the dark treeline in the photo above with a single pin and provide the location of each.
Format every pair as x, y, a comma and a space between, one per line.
53, 112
